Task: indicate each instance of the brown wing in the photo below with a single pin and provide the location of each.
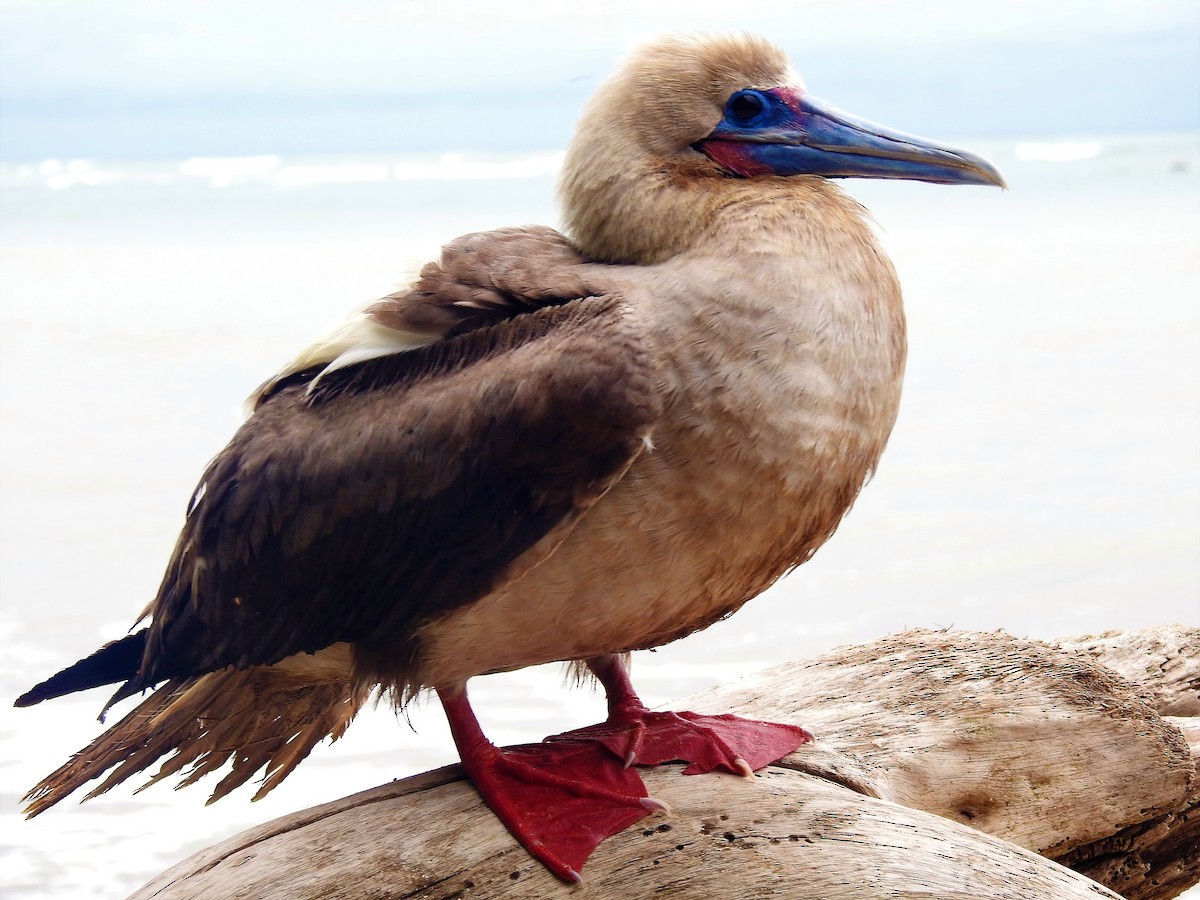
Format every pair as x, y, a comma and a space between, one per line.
399, 489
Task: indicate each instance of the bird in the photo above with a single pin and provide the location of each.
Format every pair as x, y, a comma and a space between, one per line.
550, 446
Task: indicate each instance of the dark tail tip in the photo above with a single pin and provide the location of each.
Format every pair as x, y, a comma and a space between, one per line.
117, 661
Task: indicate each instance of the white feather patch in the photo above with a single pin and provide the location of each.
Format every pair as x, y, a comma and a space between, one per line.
358, 339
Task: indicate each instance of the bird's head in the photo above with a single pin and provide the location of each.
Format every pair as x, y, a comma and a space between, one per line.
686, 113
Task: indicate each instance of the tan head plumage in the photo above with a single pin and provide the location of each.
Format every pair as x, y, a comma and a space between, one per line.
632, 154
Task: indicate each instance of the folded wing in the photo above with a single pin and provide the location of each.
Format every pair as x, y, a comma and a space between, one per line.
364, 505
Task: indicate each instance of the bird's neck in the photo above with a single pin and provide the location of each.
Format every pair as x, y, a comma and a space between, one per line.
643, 219
636, 218
788, 305
779, 281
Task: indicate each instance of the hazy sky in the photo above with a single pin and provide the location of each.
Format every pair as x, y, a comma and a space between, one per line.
147, 78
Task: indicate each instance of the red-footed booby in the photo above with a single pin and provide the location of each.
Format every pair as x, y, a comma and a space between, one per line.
548, 448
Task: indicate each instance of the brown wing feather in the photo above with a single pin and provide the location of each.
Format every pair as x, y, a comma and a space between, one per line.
264, 715
484, 278
399, 489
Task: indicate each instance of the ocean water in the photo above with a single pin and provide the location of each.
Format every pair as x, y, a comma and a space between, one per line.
1044, 476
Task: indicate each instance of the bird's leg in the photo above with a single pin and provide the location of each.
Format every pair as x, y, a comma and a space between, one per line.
639, 736
558, 800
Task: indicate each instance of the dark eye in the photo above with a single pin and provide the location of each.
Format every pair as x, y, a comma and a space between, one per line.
746, 105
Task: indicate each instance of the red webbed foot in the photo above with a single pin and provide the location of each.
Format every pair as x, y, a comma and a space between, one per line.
647, 738
639, 736
562, 797
558, 800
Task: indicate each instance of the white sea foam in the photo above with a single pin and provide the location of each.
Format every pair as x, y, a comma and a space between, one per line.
1126, 153
461, 167
298, 174
221, 171
286, 172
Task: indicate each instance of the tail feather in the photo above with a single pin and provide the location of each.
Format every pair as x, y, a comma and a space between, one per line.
114, 662
256, 717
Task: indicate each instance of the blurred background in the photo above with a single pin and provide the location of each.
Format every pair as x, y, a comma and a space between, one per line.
191, 191
171, 78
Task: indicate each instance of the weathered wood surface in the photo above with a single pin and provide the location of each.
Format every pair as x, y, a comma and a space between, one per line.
1043, 745
1163, 661
926, 740
1165, 849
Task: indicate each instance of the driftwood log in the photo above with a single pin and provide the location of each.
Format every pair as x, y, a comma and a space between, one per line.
947, 765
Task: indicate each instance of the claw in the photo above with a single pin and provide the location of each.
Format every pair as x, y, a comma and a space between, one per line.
655, 805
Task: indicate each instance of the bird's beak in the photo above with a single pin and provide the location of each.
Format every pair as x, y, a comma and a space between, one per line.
812, 138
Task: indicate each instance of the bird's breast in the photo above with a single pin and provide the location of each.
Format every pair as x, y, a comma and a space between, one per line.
781, 387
